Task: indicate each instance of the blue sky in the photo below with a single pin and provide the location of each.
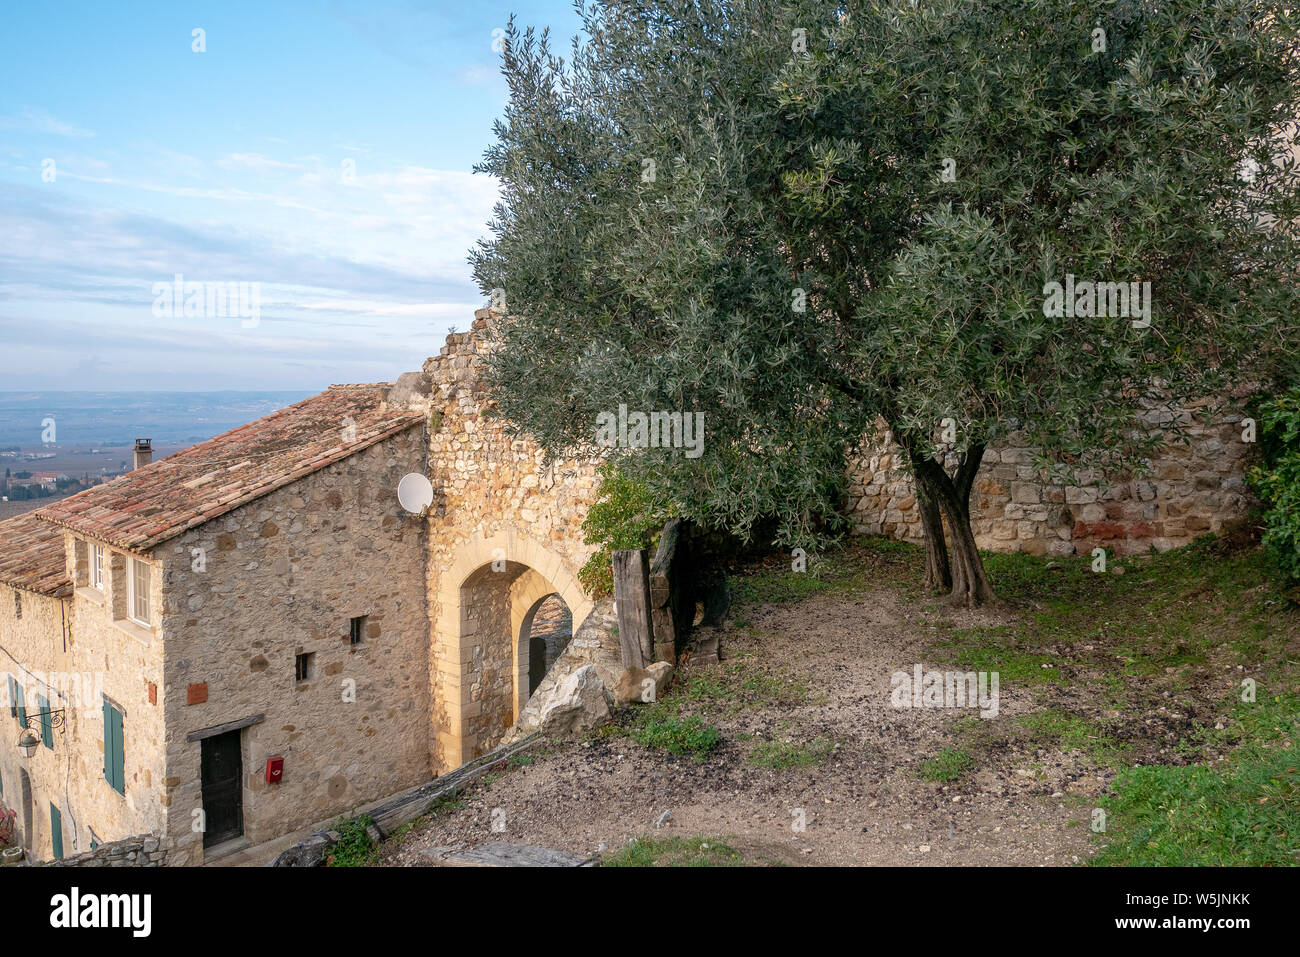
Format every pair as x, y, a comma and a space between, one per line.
322, 150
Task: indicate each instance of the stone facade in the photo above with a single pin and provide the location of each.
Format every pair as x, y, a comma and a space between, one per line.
68, 652
284, 576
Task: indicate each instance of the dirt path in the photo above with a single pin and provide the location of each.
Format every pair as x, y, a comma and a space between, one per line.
813, 676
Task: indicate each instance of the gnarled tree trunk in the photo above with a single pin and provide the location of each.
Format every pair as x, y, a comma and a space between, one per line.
949, 497
938, 573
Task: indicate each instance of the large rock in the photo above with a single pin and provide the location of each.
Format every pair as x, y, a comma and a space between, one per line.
643, 685
579, 703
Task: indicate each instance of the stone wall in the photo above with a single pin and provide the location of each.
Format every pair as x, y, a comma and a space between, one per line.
282, 576
1190, 490
497, 502
144, 850
126, 661
33, 650
73, 652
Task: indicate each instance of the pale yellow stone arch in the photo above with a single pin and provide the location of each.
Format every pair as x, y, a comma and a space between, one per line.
536, 572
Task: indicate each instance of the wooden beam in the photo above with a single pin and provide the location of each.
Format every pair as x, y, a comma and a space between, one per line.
632, 596
665, 574
223, 728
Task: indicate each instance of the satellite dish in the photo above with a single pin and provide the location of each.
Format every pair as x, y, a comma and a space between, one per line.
415, 492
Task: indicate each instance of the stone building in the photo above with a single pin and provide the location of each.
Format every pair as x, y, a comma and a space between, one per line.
252, 636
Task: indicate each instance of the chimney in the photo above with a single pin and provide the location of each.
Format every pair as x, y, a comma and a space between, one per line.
143, 452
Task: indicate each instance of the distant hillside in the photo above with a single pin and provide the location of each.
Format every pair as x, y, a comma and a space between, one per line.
115, 418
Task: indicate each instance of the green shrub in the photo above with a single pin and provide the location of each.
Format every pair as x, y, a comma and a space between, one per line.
1277, 480
947, 766
354, 847
676, 735
623, 516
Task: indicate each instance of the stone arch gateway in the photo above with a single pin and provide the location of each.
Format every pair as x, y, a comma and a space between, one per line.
479, 674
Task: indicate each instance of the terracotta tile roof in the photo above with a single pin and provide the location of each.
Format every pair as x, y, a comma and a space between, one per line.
146, 507
31, 556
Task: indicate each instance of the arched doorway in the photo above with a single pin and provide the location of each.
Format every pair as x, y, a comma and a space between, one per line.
479, 666
545, 632
26, 785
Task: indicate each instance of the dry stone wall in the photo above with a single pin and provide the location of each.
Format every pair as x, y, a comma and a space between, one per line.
1190, 490
143, 850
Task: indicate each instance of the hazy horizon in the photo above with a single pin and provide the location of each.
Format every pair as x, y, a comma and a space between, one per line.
318, 155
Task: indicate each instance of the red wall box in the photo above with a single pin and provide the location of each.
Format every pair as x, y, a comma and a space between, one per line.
274, 769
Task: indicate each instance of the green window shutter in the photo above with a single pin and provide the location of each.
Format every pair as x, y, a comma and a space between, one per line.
22, 706
56, 832
119, 757
13, 697
108, 744
114, 762
47, 721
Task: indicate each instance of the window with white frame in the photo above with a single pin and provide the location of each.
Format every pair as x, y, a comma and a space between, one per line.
137, 581
97, 567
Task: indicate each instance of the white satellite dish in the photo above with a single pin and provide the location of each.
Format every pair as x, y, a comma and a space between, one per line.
415, 492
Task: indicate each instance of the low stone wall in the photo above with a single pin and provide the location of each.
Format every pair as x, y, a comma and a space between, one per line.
1191, 489
144, 850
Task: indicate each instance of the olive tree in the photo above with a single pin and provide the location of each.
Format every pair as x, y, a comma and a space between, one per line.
798, 219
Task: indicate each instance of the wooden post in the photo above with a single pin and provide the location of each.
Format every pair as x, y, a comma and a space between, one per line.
665, 585
632, 596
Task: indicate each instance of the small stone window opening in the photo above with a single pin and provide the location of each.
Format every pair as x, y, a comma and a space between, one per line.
305, 666
356, 629
18, 604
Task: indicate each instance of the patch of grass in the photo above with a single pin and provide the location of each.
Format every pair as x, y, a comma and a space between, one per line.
521, 760
675, 734
773, 586
791, 754
844, 570
354, 847
947, 766
1056, 728
674, 852
738, 686
1244, 811
997, 649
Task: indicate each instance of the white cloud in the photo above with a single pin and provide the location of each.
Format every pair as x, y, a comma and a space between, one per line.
38, 121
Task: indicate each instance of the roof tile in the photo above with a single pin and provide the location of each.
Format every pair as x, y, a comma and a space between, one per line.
159, 501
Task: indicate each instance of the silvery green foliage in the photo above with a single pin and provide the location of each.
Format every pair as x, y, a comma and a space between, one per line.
1160, 159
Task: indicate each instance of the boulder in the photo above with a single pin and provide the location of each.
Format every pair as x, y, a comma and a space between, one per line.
643, 685
579, 703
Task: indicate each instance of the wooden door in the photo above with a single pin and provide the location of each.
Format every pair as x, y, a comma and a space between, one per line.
223, 788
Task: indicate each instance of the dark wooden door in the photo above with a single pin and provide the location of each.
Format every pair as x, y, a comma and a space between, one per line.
223, 788
536, 663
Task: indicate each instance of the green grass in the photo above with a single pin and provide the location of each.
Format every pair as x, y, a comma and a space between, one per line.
846, 570
354, 847
675, 734
674, 852
791, 754
1244, 811
1056, 728
947, 766
1169, 613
